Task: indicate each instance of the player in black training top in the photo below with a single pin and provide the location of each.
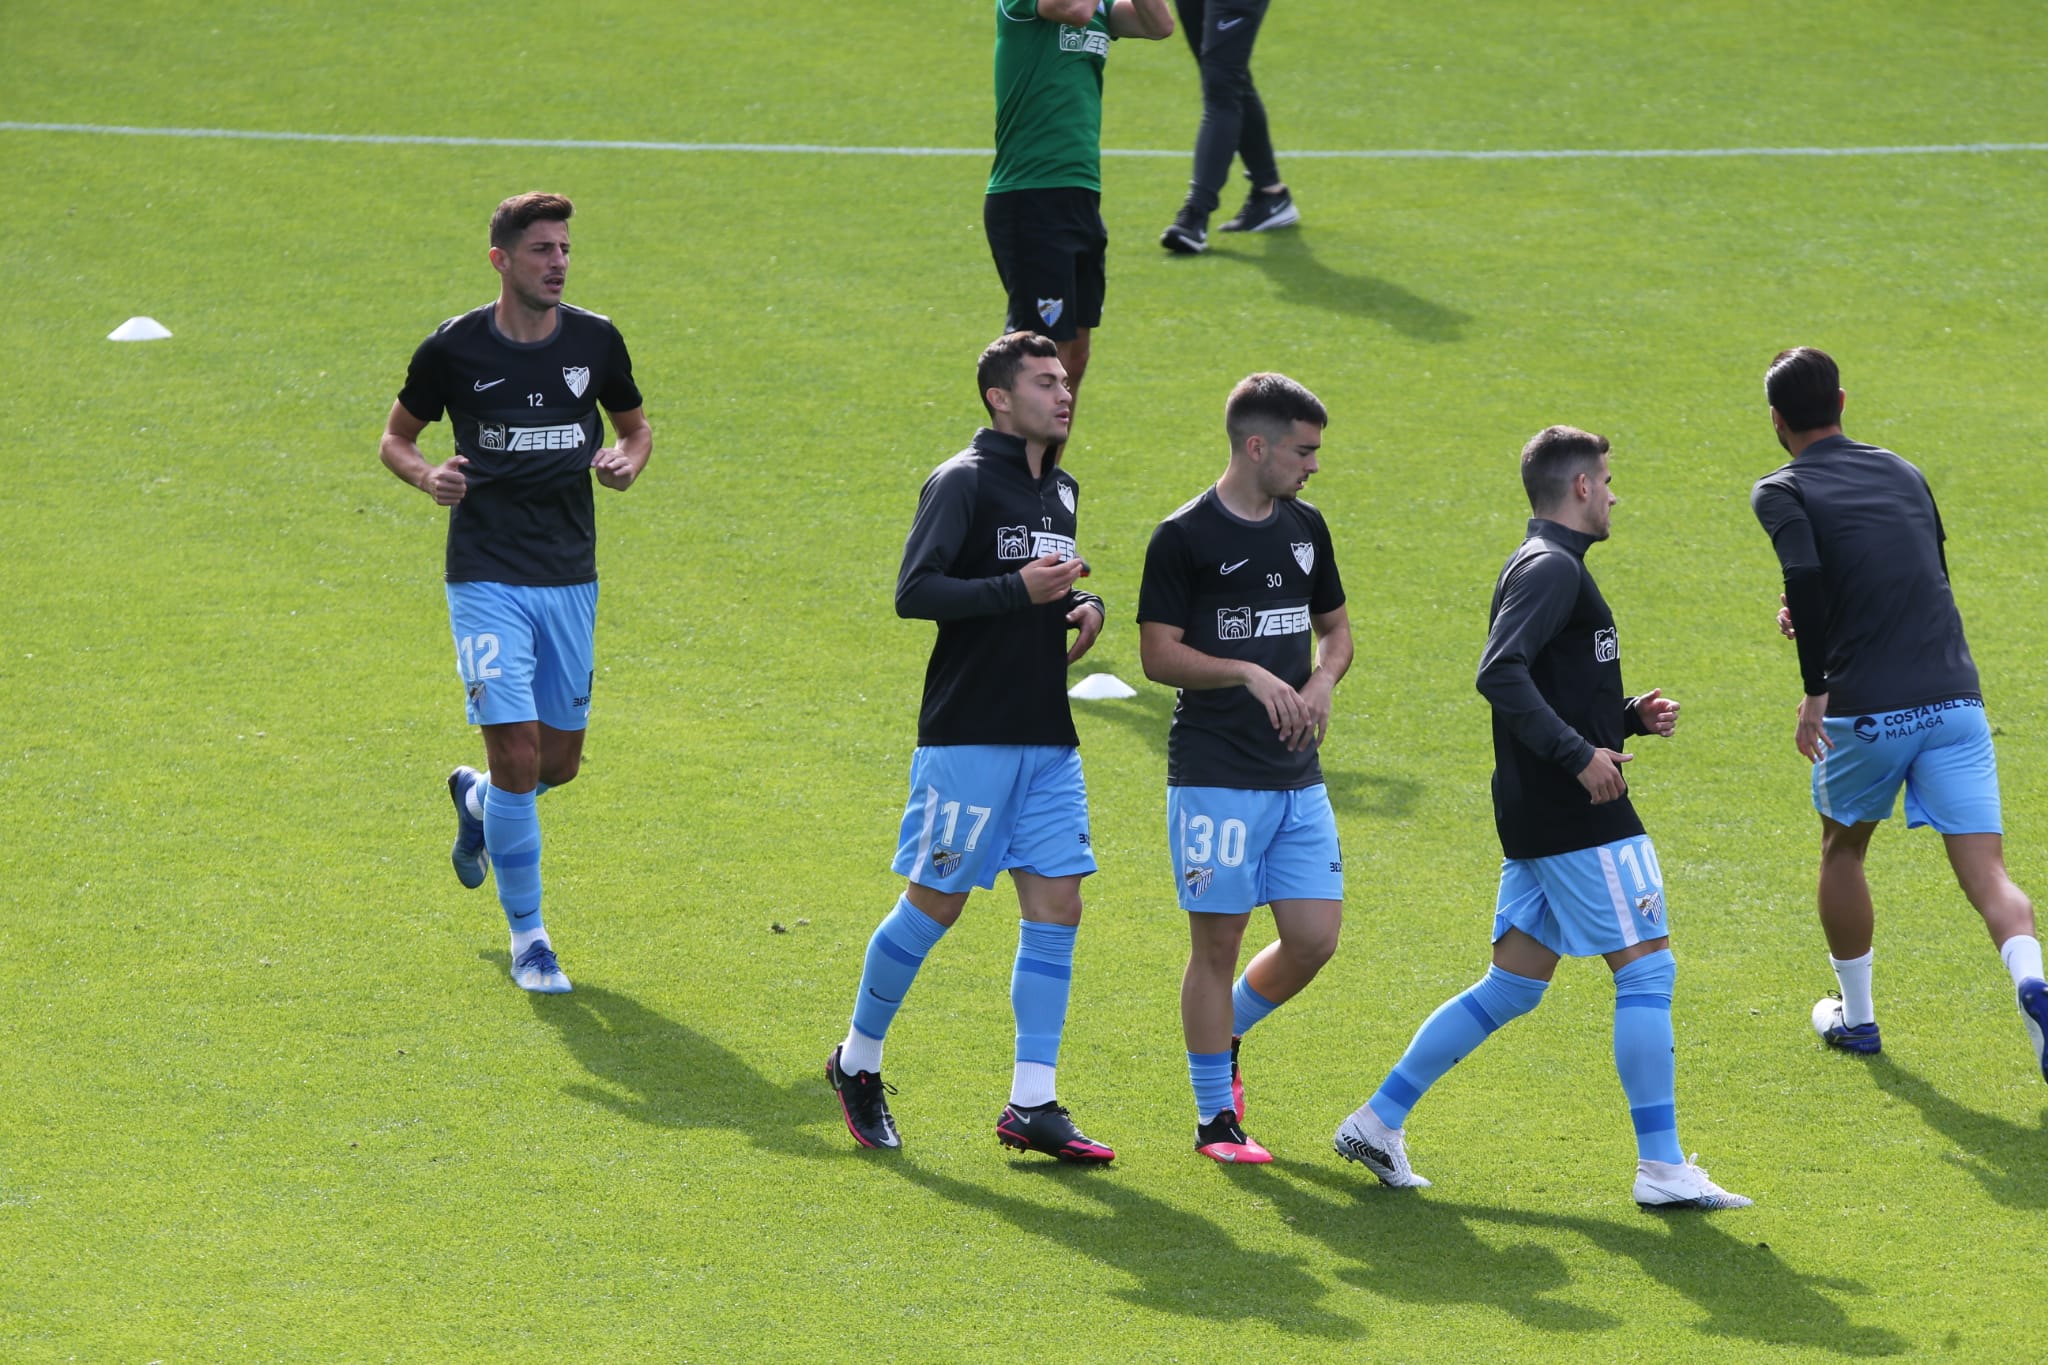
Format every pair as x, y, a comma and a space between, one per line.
1242, 609
995, 782
520, 381
1580, 878
1891, 694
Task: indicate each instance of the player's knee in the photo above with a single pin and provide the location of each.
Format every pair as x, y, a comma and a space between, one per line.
1313, 947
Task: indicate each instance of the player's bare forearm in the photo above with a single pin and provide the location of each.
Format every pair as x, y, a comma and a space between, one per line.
619, 466
1141, 19
1333, 647
1172, 663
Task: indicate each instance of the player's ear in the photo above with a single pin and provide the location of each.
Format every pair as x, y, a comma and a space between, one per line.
500, 258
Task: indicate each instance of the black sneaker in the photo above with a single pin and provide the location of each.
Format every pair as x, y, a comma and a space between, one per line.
1188, 235
1263, 212
1046, 1128
860, 1100
1236, 1076
1223, 1139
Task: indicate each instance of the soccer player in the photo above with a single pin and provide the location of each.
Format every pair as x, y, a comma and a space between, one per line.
995, 782
1237, 584
1043, 211
1891, 694
1579, 877
520, 381
1222, 32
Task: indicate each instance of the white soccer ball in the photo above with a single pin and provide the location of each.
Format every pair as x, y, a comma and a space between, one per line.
1827, 1012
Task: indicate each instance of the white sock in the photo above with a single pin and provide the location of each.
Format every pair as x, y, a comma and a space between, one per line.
2022, 954
522, 939
860, 1053
1854, 979
1031, 1083
474, 797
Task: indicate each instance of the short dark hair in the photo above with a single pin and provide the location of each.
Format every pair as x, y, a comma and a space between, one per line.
1805, 387
1553, 458
998, 366
522, 211
1269, 403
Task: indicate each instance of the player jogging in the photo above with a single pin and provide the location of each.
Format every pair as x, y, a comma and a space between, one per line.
1222, 32
520, 381
1579, 878
1043, 211
1237, 584
995, 782
1891, 694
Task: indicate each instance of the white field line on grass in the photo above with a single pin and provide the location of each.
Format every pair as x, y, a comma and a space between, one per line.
821, 149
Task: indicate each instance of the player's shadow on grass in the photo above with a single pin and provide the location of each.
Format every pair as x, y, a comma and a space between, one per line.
2003, 1155
657, 1071
1149, 714
1291, 262
1424, 1249
1153, 1242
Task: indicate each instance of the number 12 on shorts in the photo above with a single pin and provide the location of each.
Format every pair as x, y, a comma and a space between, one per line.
477, 657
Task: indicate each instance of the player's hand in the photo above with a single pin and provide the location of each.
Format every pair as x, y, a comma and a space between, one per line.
1657, 712
1812, 740
1602, 777
1785, 619
1315, 708
444, 482
1283, 704
615, 469
1086, 618
1049, 578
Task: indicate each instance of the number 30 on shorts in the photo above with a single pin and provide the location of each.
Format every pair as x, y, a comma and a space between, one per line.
1202, 841
477, 657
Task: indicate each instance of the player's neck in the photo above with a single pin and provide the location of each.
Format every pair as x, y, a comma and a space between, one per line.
1796, 442
1240, 494
517, 322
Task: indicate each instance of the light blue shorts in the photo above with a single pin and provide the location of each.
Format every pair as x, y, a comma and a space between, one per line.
1586, 902
1941, 754
525, 653
1234, 848
979, 809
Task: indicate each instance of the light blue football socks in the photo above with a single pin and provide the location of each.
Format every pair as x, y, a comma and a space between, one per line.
512, 833
1247, 1006
1643, 1053
1210, 1073
1039, 986
895, 952
1459, 1025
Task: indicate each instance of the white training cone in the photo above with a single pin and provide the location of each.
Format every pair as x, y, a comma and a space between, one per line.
1102, 687
139, 329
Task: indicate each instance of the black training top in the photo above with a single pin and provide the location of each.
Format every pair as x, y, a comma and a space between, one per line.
1552, 670
1860, 541
525, 416
1240, 590
998, 671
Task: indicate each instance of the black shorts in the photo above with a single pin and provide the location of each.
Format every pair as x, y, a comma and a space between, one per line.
1049, 247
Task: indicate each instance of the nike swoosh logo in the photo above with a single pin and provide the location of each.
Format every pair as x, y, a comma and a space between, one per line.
1222, 24
1233, 568
883, 998
481, 386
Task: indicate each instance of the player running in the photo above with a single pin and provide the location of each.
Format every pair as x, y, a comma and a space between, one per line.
520, 381
995, 782
1579, 877
1043, 210
1891, 694
1237, 584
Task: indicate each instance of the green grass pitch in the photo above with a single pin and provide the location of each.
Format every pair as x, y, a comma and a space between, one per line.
268, 1093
